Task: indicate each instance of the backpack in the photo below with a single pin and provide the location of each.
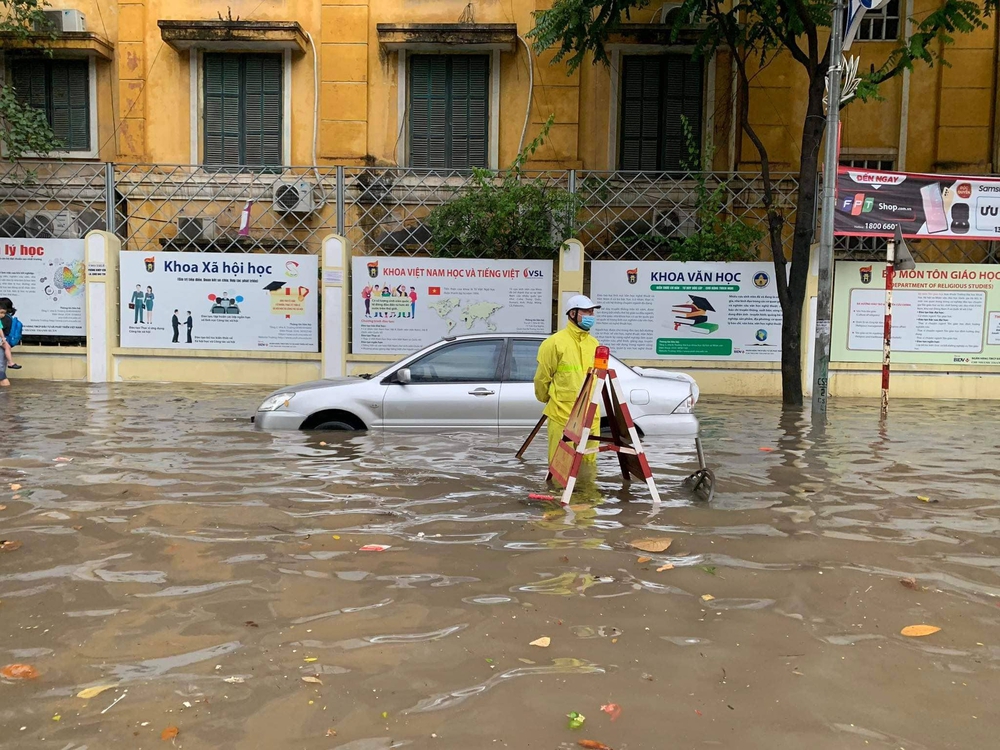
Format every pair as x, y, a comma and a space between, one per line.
16, 329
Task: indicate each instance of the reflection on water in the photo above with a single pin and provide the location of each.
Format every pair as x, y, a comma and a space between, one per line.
201, 570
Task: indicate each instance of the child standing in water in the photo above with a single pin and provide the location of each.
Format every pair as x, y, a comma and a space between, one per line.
6, 323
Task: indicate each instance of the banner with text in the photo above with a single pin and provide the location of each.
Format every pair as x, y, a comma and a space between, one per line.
872, 204
946, 314
44, 279
402, 304
697, 311
237, 301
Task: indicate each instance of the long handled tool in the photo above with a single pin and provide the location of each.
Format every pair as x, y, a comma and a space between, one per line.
534, 432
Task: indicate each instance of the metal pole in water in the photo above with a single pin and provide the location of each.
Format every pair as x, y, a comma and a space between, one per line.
824, 296
890, 272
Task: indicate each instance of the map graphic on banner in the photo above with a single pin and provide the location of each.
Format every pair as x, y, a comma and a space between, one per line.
696, 311
946, 314
872, 204
45, 279
234, 301
402, 304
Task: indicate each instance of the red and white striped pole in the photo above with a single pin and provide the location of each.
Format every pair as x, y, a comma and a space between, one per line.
890, 271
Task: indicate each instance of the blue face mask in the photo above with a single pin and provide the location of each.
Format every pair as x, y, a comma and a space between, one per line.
587, 322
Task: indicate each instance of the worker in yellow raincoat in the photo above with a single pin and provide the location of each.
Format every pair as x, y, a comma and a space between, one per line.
563, 361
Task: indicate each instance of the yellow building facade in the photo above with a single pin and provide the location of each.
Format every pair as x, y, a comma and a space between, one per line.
348, 94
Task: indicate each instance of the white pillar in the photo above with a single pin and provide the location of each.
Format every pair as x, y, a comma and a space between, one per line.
570, 275
335, 280
100, 311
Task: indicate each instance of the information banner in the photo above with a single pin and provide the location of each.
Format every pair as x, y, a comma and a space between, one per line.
237, 301
45, 279
402, 304
946, 314
695, 311
872, 204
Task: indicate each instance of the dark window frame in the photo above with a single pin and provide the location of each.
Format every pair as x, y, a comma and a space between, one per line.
226, 128
45, 100
421, 157
881, 25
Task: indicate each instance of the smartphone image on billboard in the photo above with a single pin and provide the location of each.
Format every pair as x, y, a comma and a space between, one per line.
937, 220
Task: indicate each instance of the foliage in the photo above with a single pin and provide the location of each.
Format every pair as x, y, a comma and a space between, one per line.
23, 129
760, 31
505, 215
717, 238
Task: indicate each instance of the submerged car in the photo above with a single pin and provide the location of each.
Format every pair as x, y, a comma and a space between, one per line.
476, 382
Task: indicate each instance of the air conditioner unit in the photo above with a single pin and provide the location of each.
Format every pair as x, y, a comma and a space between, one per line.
681, 221
56, 224
193, 229
65, 20
295, 197
670, 15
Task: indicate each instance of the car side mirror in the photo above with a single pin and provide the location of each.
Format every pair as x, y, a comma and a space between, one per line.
403, 376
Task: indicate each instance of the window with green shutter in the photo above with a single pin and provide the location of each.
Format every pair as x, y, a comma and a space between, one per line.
61, 89
656, 92
449, 119
243, 110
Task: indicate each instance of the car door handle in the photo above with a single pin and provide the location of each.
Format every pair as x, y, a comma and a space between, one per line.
482, 392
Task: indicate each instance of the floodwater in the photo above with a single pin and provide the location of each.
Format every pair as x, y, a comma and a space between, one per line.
203, 570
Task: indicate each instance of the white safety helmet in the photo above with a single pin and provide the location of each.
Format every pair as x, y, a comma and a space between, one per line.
580, 302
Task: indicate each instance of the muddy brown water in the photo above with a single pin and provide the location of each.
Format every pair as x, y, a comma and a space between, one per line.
204, 569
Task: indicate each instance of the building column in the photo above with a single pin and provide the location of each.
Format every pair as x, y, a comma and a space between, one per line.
335, 281
344, 80
132, 80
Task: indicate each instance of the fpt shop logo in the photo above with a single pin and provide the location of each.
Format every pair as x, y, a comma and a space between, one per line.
761, 280
866, 275
633, 275
373, 269
150, 264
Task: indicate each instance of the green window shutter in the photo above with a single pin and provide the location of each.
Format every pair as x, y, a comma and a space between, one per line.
428, 111
222, 110
449, 111
682, 97
640, 121
262, 108
70, 103
61, 89
470, 81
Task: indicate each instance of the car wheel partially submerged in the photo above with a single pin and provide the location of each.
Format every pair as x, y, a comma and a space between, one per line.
333, 425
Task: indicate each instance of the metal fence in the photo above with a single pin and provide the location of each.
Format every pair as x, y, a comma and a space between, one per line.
382, 210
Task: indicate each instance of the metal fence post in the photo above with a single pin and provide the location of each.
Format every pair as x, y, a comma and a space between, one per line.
110, 199
341, 218
572, 180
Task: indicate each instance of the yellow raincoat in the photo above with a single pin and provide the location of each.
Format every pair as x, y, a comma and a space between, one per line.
563, 361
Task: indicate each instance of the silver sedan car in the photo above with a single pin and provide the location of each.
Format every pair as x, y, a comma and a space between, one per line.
478, 382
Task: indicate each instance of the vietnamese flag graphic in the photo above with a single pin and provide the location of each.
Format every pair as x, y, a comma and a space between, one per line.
434, 291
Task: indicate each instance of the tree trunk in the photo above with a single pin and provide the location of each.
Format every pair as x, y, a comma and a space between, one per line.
805, 229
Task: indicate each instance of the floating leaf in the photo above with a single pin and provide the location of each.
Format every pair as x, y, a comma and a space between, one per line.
668, 566
169, 733
385, 714
542, 642
3, 507
526, 661
916, 631
575, 719
57, 717
612, 709
910, 583
9, 545
310, 659
593, 745
235, 680
707, 597
652, 545
63, 460
15, 487
312, 679
765, 449
93, 692
710, 569
19, 672
642, 560
374, 548
331, 732
251, 624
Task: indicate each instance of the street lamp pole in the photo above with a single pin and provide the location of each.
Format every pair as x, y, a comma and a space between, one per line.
824, 297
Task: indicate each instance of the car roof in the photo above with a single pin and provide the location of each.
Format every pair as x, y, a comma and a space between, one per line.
497, 335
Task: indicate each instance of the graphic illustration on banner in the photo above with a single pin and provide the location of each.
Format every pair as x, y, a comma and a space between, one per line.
941, 314
402, 304
219, 301
45, 278
871, 204
671, 310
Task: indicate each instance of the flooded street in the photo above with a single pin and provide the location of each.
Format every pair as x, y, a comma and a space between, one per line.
213, 577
